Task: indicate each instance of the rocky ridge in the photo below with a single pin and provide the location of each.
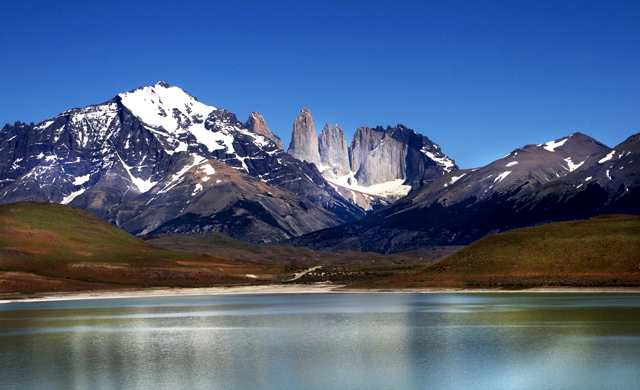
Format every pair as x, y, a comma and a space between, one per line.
574, 177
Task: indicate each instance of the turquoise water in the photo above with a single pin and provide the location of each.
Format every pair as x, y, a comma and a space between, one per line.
324, 341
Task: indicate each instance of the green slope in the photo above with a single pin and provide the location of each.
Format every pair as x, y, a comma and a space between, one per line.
46, 246
601, 251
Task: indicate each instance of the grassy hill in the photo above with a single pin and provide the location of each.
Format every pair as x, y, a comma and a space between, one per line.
53, 247
601, 251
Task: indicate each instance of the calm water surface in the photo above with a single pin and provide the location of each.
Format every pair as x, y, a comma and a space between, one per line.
325, 341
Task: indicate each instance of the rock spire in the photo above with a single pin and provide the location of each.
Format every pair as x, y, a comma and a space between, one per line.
304, 140
334, 154
257, 124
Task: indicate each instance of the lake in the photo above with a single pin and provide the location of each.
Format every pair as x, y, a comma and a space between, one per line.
325, 341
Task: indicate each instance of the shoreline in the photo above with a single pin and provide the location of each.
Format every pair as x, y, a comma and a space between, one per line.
317, 288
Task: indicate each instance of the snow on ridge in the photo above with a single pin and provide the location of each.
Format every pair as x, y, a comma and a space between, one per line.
607, 157
572, 166
455, 179
444, 162
552, 145
501, 176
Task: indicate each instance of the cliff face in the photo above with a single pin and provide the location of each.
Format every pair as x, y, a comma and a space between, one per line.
304, 140
334, 153
396, 153
258, 125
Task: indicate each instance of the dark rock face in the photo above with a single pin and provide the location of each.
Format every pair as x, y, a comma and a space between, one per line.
571, 178
381, 155
334, 153
304, 140
258, 125
136, 152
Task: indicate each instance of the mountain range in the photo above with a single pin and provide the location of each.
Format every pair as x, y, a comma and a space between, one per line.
574, 177
157, 160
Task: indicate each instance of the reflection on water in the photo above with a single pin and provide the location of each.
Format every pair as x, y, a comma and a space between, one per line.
325, 341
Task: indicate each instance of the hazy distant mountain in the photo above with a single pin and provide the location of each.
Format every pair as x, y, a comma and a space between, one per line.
571, 178
143, 159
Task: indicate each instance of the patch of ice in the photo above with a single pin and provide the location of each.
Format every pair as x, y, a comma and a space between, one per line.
607, 157
552, 145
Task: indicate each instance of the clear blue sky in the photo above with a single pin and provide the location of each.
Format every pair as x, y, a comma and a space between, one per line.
480, 78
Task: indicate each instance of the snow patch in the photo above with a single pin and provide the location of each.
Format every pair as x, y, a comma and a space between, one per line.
501, 176
455, 179
394, 188
512, 163
81, 180
197, 189
607, 157
552, 145
207, 169
588, 178
67, 199
444, 162
571, 165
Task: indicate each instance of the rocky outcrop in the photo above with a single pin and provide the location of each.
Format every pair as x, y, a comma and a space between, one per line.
396, 153
304, 140
334, 153
258, 125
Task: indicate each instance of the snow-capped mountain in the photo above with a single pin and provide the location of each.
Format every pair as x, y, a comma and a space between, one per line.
570, 178
130, 154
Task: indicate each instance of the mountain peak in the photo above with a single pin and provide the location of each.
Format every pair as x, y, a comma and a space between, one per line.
304, 140
162, 105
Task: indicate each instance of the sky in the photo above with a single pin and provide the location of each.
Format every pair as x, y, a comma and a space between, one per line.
479, 78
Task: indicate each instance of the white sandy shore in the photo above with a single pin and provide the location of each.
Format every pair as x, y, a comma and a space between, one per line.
288, 289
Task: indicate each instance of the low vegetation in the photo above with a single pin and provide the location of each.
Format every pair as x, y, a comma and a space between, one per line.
47, 247
601, 251
52, 247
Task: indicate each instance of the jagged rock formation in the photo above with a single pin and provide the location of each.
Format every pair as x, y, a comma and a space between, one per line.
384, 163
334, 153
258, 125
137, 161
574, 177
304, 140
